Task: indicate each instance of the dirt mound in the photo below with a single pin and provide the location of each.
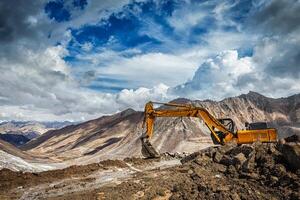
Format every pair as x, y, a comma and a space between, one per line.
258, 171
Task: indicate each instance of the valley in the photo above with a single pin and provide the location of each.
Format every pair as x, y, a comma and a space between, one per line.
102, 158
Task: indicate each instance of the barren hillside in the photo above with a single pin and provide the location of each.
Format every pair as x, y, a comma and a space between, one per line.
14, 159
20, 132
117, 136
281, 113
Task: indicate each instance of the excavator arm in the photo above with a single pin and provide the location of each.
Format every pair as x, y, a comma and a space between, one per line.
220, 134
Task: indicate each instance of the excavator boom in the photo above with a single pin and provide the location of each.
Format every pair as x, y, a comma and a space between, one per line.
220, 134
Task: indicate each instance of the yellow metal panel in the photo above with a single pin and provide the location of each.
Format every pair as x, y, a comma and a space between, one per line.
250, 136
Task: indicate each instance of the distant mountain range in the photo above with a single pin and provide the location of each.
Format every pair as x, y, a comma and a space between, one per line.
20, 132
117, 136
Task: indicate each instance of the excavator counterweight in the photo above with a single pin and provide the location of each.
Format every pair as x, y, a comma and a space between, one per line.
222, 130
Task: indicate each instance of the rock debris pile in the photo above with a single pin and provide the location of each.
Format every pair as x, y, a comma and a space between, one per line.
256, 171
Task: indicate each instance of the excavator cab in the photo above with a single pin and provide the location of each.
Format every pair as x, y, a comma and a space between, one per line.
228, 123
256, 125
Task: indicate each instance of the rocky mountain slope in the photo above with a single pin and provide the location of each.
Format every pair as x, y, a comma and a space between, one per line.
281, 113
14, 159
14, 139
20, 132
117, 136
30, 127
12, 150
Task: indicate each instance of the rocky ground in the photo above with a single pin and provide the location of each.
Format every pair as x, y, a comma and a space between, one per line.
257, 171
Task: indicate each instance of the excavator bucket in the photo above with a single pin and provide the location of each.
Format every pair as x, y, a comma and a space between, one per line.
148, 150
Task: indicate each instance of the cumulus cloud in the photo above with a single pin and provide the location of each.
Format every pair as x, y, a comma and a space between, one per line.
279, 50
43, 87
35, 81
19, 23
203, 42
273, 66
217, 77
141, 95
279, 17
227, 74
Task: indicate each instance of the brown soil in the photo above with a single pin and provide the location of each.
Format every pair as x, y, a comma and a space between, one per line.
11, 180
113, 163
258, 171
139, 161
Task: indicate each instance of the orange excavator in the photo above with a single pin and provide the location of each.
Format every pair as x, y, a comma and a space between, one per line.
222, 130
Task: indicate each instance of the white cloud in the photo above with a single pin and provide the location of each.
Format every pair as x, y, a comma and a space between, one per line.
87, 46
144, 70
228, 75
37, 84
187, 17
137, 98
152, 68
41, 86
94, 11
216, 77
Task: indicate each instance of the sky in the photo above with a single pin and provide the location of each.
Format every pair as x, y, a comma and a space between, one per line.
80, 59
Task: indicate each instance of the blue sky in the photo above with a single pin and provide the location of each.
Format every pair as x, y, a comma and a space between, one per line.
79, 59
147, 27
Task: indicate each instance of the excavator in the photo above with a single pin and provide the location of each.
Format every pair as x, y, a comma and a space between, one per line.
222, 130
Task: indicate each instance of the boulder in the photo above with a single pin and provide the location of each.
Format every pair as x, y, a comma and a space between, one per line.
279, 170
217, 157
220, 168
245, 149
293, 138
291, 152
239, 160
227, 147
227, 160
249, 165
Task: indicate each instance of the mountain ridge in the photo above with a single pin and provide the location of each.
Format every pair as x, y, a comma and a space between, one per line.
19, 132
117, 136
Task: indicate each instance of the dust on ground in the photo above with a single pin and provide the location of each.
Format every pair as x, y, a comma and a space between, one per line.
257, 171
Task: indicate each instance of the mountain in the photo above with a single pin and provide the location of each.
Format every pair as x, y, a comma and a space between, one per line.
20, 132
12, 150
117, 136
281, 113
14, 159
15, 139
27, 127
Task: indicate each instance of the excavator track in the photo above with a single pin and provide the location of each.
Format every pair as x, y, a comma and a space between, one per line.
148, 151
